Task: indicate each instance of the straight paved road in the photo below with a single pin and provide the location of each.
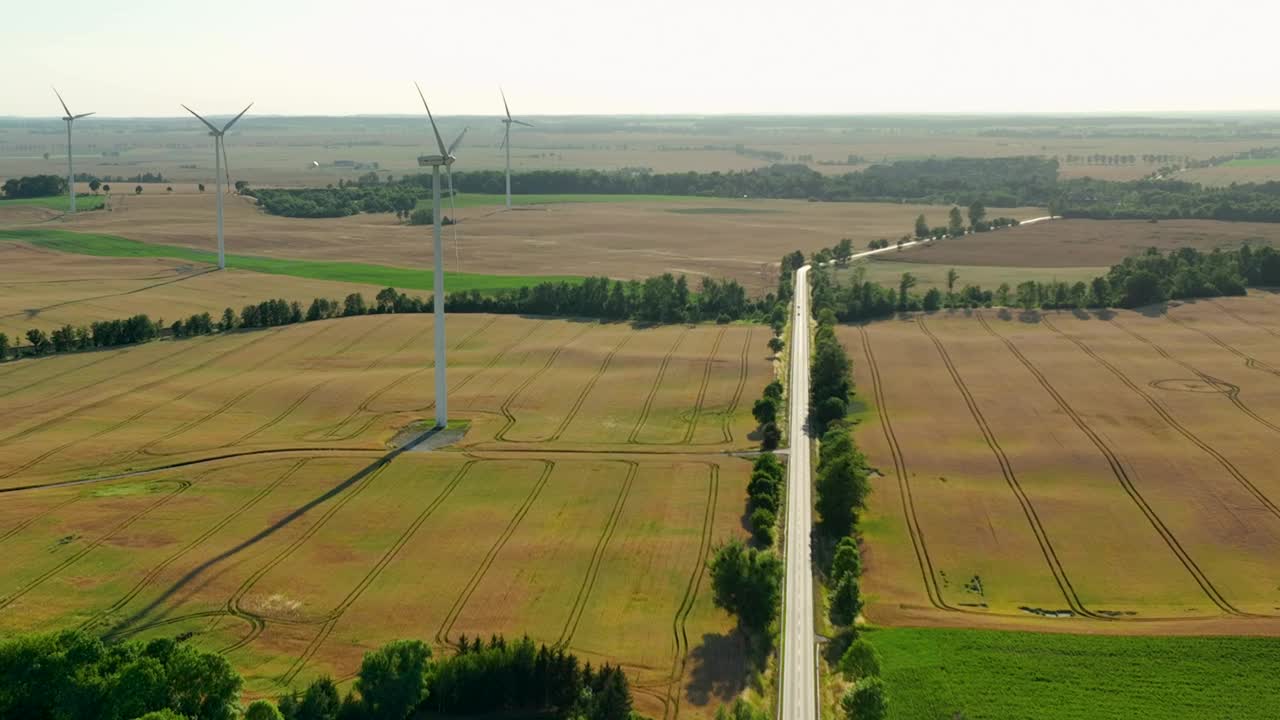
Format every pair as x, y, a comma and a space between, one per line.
799, 684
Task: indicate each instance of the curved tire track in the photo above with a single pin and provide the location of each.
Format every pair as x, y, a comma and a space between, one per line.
653, 390
505, 408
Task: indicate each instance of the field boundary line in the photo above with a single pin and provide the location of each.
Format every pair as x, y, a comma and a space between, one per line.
1122, 476
155, 571
1065, 586
597, 556
459, 604
586, 390
505, 407
653, 390
376, 571
1233, 390
1160, 410
180, 487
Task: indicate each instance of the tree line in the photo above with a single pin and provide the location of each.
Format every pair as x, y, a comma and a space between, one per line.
34, 186
1163, 199
74, 676
841, 489
660, 299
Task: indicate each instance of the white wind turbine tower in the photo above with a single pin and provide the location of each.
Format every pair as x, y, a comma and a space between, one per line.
71, 175
219, 155
506, 140
445, 159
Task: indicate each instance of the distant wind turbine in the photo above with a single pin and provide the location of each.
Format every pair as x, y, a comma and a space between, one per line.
445, 159
71, 175
506, 140
219, 156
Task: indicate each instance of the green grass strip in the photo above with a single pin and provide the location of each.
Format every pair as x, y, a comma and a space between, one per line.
944, 674
469, 200
60, 202
380, 275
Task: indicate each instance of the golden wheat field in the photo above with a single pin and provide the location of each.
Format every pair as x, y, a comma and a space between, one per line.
245, 490
1082, 472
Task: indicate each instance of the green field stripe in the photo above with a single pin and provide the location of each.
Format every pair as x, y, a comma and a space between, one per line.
59, 202
381, 275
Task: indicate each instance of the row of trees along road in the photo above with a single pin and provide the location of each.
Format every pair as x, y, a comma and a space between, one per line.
841, 488
75, 676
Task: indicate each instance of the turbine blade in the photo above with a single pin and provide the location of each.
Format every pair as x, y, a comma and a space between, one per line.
456, 256
434, 129
234, 119
82, 115
505, 136
209, 125
64, 104
226, 166
521, 122
504, 103
458, 141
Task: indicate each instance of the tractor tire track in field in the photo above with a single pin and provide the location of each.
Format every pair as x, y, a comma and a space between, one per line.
653, 390
126, 421
726, 420
505, 407
192, 345
679, 630
442, 634
387, 557
586, 390
1051, 558
106, 353
233, 604
914, 530
332, 433
597, 557
1249, 361
702, 390
314, 388
354, 483
1164, 414
1232, 391
134, 291
1246, 321
179, 488
145, 448
155, 572
29, 520
1122, 476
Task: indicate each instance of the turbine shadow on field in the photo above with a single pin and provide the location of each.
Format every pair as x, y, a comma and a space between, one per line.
718, 669
122, 628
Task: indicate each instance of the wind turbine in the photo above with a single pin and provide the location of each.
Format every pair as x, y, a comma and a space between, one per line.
506, 140
71, 176
219, 155
445, 159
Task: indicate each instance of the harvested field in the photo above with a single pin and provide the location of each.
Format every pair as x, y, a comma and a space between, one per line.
260, 512
1075, 472
618, 239
1087, 243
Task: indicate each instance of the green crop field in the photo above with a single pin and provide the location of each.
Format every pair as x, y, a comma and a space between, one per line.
942, 674
59, 202
1253, 162
381, 275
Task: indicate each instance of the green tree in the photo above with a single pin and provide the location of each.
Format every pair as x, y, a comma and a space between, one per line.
137, 190
748, 583
106, 189
262, 710
776, 345
40, 343
866, 700
319, 702
763, 522
905, 284
94, 184
860, 660
770, 436
765, 410
774, 390
1002, 295
932, 299
922, 228
952, 277
841, 488
200, 187
353, 305
5, 349
955, 222
392, 680
846, 601
847, 560
977, 213
843, 251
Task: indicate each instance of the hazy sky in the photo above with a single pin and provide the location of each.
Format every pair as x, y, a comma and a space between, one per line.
324, 57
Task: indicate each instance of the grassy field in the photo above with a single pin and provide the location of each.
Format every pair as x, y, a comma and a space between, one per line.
345, 272
61, 203
483, 200
270, 523
935, 674
1074, 471
928, 275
